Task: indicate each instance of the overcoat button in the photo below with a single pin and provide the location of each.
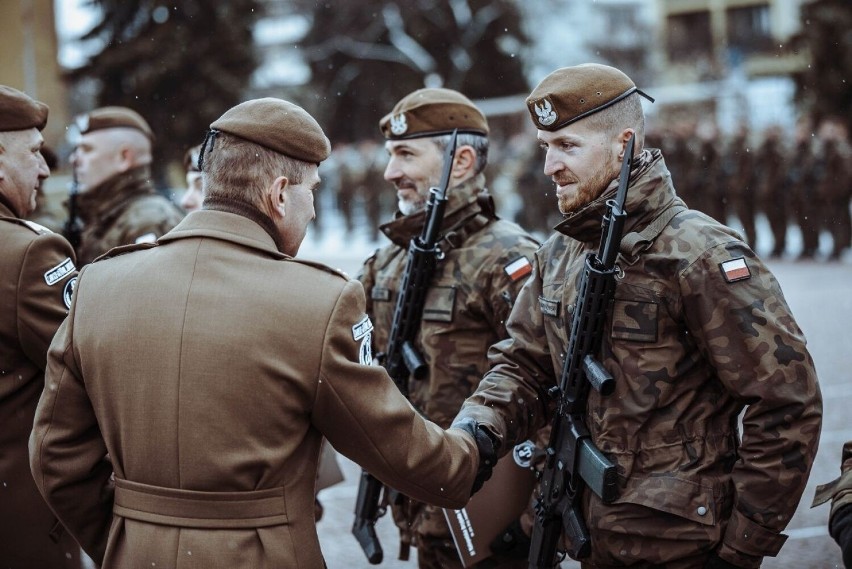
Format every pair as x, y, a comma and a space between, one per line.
701, 510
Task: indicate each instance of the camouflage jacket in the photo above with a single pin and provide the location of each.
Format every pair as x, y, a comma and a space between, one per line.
839, 491
466, 308
699, 329
122, 210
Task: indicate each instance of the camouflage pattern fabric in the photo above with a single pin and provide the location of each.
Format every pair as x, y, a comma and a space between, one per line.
839, 491
465, 312
123, 210
700, 329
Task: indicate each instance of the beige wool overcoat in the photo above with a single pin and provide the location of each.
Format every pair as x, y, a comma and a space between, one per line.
188, 392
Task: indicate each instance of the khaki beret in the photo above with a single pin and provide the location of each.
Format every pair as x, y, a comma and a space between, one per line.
433, 112
18, 111
572, 93
113, 117
277, 125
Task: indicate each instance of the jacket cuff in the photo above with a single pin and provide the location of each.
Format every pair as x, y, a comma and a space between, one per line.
745, 539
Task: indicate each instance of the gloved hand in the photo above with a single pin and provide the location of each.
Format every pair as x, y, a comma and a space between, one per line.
512, 542
487, 445
840, 529
716, 562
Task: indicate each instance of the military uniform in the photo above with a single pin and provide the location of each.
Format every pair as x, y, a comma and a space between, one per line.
699, 328
839, 492
269, 357
37, 276
772, 191
741, 187
122, 210
834, 190
472, 292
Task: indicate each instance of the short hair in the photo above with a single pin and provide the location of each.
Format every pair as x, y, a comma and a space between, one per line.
477, 141
238, 169
626, 113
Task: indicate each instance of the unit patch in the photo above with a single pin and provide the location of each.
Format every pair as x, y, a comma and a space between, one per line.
735, 270
68, 292
363, 331
380, 293
518, 269
59, 272
549, 307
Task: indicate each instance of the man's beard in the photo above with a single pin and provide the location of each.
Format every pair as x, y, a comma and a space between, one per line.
410, 206
584, 193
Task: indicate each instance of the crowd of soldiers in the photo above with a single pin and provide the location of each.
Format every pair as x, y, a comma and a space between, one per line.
800, 179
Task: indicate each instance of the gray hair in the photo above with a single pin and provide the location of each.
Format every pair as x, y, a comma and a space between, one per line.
478, 142
235, 168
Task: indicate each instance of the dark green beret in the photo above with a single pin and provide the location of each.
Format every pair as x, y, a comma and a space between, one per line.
277, 125
18, 111
433, 112
113, 117
572, 93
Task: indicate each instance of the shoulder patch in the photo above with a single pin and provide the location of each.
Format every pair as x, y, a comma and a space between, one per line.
68, 292
59, 272
363, 331
735, 270
518, 269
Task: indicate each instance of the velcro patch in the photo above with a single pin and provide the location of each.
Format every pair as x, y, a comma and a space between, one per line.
549, 307
735, 270
59, 272
363, 331
380, 293
519, 268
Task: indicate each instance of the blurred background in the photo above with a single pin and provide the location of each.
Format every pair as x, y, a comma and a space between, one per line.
727, 75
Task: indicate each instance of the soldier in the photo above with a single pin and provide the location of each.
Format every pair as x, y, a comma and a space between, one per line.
699, 331
802, 184
834, 184
194, 194
772, 192
209, 366
741, 181
117, 203
839, 492
37, 276
486, 262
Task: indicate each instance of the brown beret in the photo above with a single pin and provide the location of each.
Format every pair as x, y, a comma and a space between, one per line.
113, 117
572, 93
18, 111
277, 125
433, 112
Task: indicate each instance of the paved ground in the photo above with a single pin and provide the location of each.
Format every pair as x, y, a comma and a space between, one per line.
820, 295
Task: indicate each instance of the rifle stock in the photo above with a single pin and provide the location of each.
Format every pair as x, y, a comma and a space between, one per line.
401, 359
573, 463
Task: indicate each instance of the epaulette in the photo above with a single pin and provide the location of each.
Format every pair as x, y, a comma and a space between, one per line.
318, 265
39, 229
123, 249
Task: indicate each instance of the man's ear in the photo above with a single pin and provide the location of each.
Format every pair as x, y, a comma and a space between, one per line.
623, 139
277, 196
464, 163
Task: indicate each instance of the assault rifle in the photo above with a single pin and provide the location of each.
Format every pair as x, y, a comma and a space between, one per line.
401, 359
572, 461
71, 228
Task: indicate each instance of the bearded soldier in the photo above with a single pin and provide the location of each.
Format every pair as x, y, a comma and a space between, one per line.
698, 332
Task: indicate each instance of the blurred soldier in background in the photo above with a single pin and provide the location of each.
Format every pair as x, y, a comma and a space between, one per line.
486, 262
834, 183
117, 202
193, 195
742, 179
772, 191
37, 276
801, 181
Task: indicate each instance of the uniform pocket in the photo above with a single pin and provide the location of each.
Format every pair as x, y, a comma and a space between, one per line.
634, 320
677, 496
440, 304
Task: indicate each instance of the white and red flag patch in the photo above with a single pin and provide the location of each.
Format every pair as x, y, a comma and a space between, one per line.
735, 270
518, 269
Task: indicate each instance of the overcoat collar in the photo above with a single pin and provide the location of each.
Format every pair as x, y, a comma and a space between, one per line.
226, 226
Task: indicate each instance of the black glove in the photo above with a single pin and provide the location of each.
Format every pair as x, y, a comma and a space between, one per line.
512, 542
840, 528
716, 562
487, 444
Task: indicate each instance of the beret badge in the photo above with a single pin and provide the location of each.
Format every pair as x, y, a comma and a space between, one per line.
398, 124
546, 114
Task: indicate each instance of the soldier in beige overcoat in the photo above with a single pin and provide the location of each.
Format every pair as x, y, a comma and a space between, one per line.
191, 385
37, 276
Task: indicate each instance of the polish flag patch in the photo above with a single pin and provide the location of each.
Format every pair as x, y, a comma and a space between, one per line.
518, 269
735, 270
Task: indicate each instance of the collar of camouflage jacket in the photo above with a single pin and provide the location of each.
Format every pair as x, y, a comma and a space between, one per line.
114, 193
225, 226
650, 191
462, 205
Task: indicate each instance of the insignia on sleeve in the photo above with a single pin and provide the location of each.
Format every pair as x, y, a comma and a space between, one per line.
735, 270
518, 269
59, 272
68, 292
147, 238
549, 307
363, 331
